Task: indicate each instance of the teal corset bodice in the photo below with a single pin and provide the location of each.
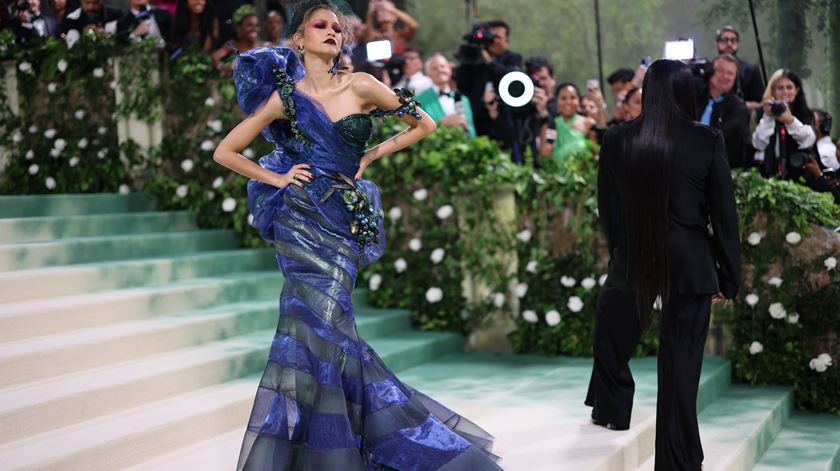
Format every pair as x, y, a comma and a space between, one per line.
355, 130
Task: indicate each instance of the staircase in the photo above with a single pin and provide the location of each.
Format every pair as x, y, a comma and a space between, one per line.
130, 338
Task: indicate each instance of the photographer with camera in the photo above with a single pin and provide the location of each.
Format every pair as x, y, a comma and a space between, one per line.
721, 108
485, 59
30, 22
784, 137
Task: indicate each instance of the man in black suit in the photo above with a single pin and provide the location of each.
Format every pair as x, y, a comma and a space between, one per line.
750, 85
720, 108
30, 22
92, 15
143, 20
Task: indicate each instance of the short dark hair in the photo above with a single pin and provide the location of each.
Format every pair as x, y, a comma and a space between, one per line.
621, 75
727, 29
727, 58
498, 24
533, 64
825, 122
566, 85
414, 49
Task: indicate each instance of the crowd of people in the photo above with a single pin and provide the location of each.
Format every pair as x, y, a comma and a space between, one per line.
768, 126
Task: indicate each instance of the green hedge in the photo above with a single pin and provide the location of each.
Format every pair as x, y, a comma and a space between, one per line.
440, 192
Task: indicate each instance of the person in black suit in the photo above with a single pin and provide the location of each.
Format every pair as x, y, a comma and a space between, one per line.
31, 21
721, 108
750, 85
662, 178
92, 14
143, 20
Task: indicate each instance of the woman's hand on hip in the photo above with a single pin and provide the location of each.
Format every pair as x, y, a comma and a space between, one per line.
295, 176
367, 159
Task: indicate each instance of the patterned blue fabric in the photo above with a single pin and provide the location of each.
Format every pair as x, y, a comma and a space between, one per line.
326, 401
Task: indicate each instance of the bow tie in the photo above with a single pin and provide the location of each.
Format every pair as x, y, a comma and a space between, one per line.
450, 93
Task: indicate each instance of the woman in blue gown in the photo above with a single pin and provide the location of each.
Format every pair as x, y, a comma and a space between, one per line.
326, 401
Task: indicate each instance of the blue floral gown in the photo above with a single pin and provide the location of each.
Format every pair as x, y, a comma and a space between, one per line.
326, 401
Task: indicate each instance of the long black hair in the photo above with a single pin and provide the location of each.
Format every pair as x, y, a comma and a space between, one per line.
667, 102
206, 21
799, 107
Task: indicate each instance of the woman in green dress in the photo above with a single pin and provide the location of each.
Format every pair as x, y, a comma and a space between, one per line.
566, 135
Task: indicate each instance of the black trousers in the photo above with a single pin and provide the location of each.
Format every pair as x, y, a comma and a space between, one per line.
684, 327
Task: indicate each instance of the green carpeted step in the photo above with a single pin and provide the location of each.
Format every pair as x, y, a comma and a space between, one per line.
95, 277
741, 424
71, 204
412, 348
32, 229
123, 247
808, 442
373, 323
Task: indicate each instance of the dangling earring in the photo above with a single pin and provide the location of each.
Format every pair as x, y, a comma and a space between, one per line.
300, 50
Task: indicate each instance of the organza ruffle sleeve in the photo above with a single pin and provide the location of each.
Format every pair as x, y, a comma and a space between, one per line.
254, 77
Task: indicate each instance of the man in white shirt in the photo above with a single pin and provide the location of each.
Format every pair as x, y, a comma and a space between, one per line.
413, 77
825, 148
445, 106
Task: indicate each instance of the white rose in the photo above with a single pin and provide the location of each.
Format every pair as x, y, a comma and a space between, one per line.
792, 318
181, 191
207, 145
228, 204
72, 37
250, 219
209, 101
33, 129
437, 255
79, 114
186, 165
62, 65
124, 189
30, 154
98, 72
102, 130
818, 366
17, 137
567, 281
374, 282
530, 316
421, 194
400, 265
52, 87
588, 283
218, 182
33, 169
50, 183
24, 67
756, 347
552, 318
775, 281
60, 144
73, 161
793, 238
394, 213
752, 299
248, 153
524, 236
215, 125
830, 263
434, 295
415, 245
55, 152
498, 299
777, 311
49, 133
211, 194
521, 290
754, 238
602, 280
825, 358
444, 212
83, 143
531, 267
113, 86
575, 304
102, 153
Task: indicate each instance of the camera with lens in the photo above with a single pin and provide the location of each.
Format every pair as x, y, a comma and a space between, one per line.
470, 51
778, 107
798, 159
23, 5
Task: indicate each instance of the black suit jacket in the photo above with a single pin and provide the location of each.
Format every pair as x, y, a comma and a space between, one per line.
749, 81
732, 117
77, 19
701, 191
472, 79
163, 18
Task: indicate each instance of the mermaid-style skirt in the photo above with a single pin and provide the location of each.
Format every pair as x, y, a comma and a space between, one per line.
326, 401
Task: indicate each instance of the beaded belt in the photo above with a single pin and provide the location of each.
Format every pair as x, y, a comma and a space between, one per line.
365, 218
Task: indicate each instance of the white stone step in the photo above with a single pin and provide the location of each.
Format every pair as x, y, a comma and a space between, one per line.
31, 229
217, 454
28, 319
127, 438
66, 280
55, 355
34, 408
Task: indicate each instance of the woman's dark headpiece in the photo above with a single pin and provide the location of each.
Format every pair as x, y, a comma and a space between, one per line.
296, 10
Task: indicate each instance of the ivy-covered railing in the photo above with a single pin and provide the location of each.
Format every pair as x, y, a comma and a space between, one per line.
473, 241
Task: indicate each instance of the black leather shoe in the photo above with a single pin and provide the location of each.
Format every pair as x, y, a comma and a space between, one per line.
608, 425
